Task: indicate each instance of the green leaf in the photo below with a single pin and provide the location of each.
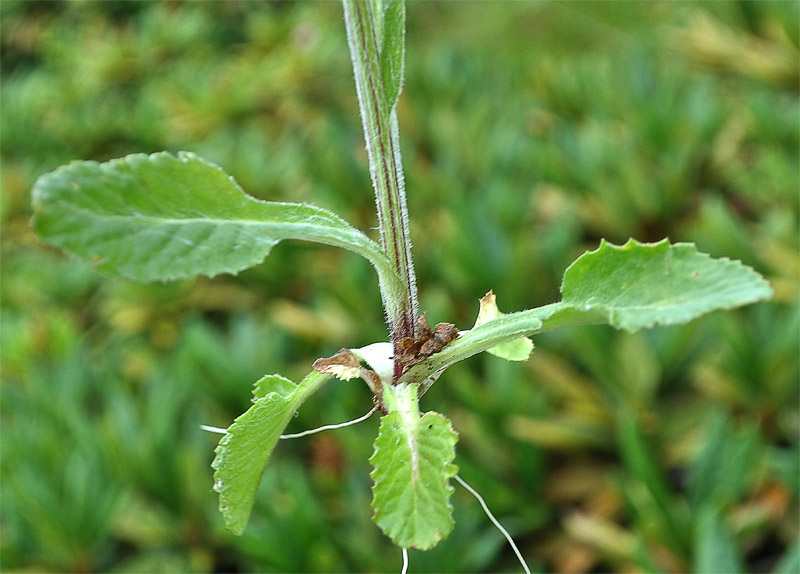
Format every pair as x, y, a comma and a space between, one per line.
516, 350
162, 217
631, 287
724, 466
277, 384
643, 467
413, 465
639, 285
790, 561
243, 453
392, 48
716, 551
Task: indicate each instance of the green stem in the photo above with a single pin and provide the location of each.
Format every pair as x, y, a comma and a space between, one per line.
498, 331
404, 400
375, 36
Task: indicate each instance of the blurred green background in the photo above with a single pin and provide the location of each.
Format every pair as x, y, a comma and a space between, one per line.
529, 131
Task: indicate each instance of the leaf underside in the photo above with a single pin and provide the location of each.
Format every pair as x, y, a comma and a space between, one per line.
640, 285
516, 350
163, 217
243, 453
392, 49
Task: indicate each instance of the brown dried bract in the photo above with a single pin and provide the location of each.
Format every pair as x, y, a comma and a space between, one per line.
345, 365
425, 343
335, 365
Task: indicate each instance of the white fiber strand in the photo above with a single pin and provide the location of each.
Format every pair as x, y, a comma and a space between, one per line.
499, 526
331, 427
218, 430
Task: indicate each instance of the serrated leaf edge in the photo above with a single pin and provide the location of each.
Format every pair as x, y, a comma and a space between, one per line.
447, 473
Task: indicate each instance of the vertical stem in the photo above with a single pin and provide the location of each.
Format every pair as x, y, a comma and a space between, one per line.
375, 34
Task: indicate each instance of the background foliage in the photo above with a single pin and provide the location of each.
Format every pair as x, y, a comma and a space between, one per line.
529, 131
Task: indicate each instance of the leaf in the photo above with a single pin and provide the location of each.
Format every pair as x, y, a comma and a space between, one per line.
639, 285
413, 465
273, 384
162, 217
242, 454
345, 365
789, 563
393, 49
716, 550
723, 467
635, 286
639, 461
516, 350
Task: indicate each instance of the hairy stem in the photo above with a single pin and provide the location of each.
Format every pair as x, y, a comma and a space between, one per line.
375, 35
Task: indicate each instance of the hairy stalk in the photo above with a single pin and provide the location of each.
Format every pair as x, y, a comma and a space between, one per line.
376, 49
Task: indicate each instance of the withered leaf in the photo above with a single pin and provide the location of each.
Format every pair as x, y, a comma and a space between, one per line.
345, 365
425, 343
